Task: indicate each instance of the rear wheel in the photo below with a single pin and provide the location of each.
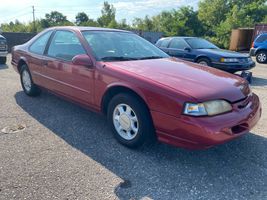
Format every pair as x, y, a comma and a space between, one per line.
26, 82
130, 120
2, 60
261, 57
204, 62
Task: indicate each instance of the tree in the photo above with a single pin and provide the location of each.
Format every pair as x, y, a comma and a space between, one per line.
81, 18
221, 16
55, 18
108, 14
212, 12
183, 21
123, 24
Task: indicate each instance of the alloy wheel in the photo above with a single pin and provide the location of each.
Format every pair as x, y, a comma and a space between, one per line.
26, 80
125, 121
261, 57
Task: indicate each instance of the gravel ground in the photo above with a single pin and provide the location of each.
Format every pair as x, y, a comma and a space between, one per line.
67, 152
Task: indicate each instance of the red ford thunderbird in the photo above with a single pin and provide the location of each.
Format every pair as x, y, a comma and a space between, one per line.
145, 93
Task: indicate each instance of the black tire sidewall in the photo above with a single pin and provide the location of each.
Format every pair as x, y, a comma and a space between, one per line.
265, 52
145, 131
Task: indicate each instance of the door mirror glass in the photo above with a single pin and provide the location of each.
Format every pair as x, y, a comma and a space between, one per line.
83, 60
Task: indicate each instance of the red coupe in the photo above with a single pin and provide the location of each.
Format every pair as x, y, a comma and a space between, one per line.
144, 92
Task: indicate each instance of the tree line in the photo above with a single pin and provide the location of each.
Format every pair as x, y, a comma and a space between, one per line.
213, 20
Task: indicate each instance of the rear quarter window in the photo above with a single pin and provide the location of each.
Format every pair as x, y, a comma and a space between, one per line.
38, 46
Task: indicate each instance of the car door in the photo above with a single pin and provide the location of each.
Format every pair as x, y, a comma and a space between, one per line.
177, 48
36, 58
64, 77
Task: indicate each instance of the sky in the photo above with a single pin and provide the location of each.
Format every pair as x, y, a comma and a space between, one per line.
10, 10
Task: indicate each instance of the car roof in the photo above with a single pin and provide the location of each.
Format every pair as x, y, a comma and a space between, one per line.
261, 34
87, 28
181, 37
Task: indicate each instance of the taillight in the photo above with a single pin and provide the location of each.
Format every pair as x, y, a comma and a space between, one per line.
252, 46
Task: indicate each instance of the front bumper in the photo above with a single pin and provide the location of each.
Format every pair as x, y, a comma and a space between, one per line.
3, 53
234, 67
252, 52
204, 132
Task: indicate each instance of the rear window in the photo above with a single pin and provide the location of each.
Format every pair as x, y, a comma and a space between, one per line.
261, 38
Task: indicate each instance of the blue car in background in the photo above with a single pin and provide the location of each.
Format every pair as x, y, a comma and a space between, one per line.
201, 51
259, 48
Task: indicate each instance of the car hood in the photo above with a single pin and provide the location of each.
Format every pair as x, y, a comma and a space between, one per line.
200, 82
223, 53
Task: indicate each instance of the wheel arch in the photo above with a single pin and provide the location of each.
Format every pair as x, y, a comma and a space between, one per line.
202, 56
260, 49
113, 90
22, 61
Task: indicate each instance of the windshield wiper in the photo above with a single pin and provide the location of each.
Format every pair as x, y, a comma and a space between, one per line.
117, 58
150, 57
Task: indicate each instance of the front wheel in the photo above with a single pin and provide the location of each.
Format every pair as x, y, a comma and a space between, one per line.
26, 82
261, 57
204, 62
130, 120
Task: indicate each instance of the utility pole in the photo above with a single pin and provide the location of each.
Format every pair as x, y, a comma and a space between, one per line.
33, 18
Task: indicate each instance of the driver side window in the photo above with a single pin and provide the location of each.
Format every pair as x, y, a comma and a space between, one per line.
65, 45
177, 44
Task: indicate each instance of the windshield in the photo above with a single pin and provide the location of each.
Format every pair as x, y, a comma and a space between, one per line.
121, 46
198, 43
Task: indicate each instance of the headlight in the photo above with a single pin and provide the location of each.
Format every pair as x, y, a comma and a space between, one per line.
207, 108
229, 60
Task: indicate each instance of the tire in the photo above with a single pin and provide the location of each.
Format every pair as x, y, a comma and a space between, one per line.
132, 133
261, 57
204, 61
3, 60
26, 82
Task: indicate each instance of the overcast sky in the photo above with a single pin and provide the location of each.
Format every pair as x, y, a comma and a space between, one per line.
22, 9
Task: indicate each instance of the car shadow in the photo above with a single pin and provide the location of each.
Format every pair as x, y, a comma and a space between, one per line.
3, 66
236, 170
256, 81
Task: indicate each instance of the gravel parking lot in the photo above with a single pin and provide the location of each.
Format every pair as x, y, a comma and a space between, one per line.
67, 152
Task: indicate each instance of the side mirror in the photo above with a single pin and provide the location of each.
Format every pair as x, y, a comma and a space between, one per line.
187, 49
83, 60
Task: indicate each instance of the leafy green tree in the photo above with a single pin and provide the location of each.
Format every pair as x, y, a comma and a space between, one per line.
55, 18
183, 21
123, 24
220, 20
108, 15
212, 12
81, 18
